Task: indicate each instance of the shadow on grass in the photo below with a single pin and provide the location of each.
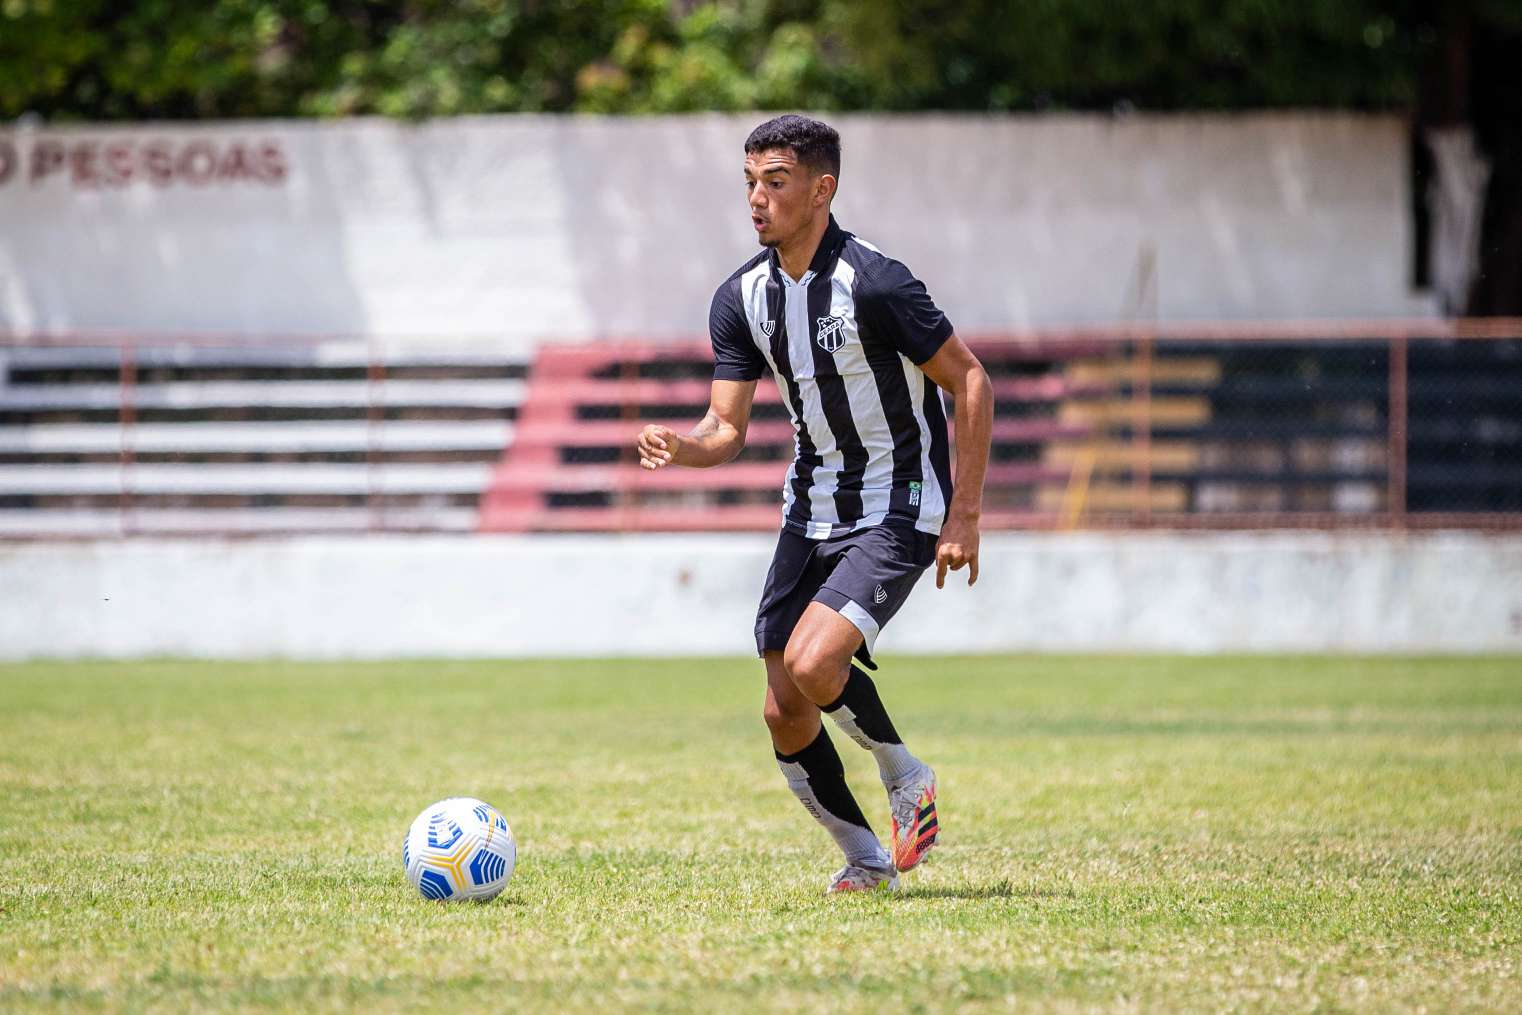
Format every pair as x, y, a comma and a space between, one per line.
465, 905
1334, 722
996, 890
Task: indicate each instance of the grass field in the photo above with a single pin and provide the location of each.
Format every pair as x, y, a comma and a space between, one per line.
1260, 833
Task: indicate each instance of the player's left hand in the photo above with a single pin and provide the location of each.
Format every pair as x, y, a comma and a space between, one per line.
957, 546
657, 446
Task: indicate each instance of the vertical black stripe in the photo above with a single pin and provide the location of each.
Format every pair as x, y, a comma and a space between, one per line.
837, 407
807, 459
940, 455
827, 778
898, 408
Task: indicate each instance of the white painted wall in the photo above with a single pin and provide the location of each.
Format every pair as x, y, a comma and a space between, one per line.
656, 595
507, 230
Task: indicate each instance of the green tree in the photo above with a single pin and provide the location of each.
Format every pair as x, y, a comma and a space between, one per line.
95, 59
1162, 54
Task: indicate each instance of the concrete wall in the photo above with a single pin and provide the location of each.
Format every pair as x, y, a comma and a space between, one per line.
645, 595
512, 229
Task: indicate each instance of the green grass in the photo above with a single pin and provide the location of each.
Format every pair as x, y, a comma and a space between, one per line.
1253, 833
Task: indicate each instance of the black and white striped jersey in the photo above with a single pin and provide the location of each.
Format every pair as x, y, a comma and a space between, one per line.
845, 343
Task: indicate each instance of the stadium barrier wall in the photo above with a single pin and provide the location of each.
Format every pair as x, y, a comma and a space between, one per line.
442, 596
509, 230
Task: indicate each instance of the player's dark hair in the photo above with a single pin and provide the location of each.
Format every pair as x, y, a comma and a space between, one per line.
815, 144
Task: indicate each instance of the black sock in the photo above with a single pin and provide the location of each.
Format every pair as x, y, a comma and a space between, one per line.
817, 778
860, 714
859, 696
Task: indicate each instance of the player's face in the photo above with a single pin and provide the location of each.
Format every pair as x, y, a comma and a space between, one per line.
784, 196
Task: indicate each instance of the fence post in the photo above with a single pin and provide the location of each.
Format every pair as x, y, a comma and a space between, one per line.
1399, 409
126, 417
1141, 433
625, 494
1145, 307
375, 376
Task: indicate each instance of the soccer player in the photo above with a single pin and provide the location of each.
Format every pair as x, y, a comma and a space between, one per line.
861, 355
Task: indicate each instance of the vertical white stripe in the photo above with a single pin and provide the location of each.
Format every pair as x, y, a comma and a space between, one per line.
940, 491
854, 612
865, 400
932, 497
800, 354
753, 293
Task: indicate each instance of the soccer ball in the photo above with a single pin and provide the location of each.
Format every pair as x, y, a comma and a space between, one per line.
459, 848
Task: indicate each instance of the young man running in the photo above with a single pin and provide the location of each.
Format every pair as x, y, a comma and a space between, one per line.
861, 355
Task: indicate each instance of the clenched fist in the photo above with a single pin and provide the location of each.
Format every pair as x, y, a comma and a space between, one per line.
658, 446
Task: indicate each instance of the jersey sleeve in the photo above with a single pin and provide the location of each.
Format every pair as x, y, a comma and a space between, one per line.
735, 356
901, 312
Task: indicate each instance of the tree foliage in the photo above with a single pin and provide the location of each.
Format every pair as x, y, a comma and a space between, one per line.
103, 60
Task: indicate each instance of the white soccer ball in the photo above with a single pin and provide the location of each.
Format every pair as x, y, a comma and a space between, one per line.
459, 848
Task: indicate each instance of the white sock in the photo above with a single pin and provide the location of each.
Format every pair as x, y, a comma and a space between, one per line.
894, 762
860, 714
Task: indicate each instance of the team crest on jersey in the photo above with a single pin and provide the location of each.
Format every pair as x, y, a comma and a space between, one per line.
831, 335
767, 327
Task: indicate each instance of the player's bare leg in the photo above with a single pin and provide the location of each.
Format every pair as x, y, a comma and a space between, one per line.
818, 659
816, 776
792, 718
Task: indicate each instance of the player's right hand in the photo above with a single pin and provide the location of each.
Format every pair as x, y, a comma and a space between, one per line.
657, 446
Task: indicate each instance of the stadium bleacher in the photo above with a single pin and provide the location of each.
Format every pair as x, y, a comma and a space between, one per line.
570, 465
1305, 427
98, 441
1465, 431
256, 439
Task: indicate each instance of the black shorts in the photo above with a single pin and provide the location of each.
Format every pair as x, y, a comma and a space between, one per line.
864, 576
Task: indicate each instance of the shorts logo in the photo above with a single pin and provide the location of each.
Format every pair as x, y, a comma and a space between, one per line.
767, 327
831, 335
879, 595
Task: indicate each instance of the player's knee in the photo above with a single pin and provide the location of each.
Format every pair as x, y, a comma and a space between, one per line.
798, 662
814, 672
780, 719
775, 717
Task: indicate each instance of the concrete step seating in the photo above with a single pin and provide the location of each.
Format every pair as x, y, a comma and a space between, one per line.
306, 436
124, 521
571, 465
241, 480
1302, 427
188, 395
249, 439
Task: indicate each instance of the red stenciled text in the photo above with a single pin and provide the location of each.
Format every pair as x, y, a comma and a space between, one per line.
89, 163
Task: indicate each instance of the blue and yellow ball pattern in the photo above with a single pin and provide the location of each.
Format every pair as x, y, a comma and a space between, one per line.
459, 849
